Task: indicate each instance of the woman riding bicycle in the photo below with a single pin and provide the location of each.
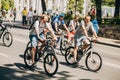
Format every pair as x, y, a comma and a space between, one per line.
38, 32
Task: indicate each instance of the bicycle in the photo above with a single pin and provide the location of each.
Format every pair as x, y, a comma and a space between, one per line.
6, 36
49, 58
92, 57
64, 44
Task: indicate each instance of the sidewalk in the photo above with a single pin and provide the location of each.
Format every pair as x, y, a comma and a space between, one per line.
104, 41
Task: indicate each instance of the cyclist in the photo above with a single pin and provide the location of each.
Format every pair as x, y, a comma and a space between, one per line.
73, 26
58, 23
81, 34
38, 32
4, 17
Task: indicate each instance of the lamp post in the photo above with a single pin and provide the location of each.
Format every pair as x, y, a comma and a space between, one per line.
75, 6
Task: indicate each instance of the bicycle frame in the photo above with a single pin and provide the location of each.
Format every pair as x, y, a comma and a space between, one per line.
3, 30
88, 50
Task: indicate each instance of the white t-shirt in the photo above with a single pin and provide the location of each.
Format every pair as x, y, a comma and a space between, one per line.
75, 24
41, 27
79, 31
30, 14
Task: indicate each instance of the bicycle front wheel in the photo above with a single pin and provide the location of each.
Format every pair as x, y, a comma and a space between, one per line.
28, 57
7, 39
50, 64
28, 44
93, 61
69, 55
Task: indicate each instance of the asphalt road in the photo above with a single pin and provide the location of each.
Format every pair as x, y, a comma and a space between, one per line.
12, 65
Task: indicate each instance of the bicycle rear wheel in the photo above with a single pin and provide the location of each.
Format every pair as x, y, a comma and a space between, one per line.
69, 55
7, 39
93, 61
50, 64
63, 46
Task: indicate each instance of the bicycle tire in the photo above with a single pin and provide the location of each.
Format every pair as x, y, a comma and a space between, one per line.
28, 44
28, 56
88, 66
69, 55
7, 36
64, 43
48, 60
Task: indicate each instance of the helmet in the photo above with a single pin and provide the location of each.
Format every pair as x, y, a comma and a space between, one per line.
62, 15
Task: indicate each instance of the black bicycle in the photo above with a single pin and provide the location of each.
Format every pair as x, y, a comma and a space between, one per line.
93, 60
64, 44
5, 35
47, 53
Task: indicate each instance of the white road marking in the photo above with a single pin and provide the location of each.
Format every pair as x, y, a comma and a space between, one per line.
4, 55
112, 65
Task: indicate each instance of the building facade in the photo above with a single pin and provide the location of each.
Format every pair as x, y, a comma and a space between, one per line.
51, 5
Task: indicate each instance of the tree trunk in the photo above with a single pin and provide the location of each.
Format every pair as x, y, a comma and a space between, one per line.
43, 5
98, 10
117, 8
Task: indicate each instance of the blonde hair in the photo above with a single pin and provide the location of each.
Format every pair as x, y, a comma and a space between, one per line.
43, 16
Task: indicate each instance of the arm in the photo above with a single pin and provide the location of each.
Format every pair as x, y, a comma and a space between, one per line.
72, 25
66, 28
56, 26
49, 27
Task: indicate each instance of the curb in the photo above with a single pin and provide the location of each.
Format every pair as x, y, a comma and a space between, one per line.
113, 45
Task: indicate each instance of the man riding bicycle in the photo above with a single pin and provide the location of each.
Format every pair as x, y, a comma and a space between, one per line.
38, 32
81, 34
58, 23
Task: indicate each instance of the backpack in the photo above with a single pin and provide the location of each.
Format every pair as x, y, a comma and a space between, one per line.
31, 26
54, 19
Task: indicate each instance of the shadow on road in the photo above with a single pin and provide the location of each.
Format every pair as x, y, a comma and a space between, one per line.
75, 66
10, 72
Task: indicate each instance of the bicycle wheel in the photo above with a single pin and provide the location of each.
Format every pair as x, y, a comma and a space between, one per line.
28, 44
93, 61
7, 39
50, 64
28, 57
63, 46
69, 55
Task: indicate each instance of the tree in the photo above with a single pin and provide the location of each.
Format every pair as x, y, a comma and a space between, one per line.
109, 3
79, 5
117, 8
7, 4
43, 5
98, 9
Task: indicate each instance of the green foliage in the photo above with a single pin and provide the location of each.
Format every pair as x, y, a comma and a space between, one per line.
109, 2
7, 4
106, 2
71, 5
